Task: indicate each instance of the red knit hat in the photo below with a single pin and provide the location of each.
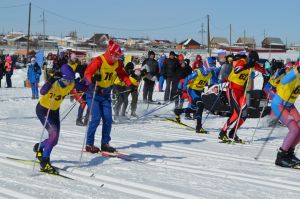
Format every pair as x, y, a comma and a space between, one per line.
113, 48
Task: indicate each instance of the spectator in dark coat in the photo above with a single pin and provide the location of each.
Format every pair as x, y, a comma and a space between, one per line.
150, 65
170, 68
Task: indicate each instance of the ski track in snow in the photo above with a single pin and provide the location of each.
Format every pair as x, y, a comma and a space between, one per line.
169, 161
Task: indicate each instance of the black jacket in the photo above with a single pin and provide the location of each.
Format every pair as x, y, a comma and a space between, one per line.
171, 65
152, 69
182, 72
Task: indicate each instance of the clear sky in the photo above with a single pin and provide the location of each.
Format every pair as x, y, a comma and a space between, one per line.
157, 19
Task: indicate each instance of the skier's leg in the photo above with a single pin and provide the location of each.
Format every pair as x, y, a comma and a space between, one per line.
105, 112
96, 117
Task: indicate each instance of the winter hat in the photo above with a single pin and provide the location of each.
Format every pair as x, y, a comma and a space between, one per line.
172, 53
180, 57
8, 58
113, 49
67, 72
151, 53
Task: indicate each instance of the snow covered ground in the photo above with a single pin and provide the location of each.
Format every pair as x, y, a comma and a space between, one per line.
170, 161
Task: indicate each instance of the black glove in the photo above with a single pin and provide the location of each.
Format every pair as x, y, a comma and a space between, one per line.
179, 92
298, 69
55, 76
133, 88
96, 77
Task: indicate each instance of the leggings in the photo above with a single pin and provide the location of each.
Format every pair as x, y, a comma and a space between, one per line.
237, 101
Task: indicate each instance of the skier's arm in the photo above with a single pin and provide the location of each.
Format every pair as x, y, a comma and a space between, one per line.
289, 77
123, 75
92, 69
45, 88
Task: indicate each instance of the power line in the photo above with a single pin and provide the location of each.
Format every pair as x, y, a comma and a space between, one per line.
14, 6
113, 28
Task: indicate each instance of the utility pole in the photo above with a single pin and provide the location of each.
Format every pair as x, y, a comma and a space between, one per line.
230, 32
202, 32
208, 37
28, 33
244, 39
44, 31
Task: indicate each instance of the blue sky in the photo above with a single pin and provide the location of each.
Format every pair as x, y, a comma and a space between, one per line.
157, 19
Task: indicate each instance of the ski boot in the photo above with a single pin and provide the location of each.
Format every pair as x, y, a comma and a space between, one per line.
235, 137
38, 152
188, 116
201, 130
47, 167
108, 148
177, 112
223, 137
291, 153
92, 149
284, 159
79, 122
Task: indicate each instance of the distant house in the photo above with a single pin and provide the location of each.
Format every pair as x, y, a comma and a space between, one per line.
188, 44
137, 43
273, 42
219, 42
99, 39
246, 42
157, 43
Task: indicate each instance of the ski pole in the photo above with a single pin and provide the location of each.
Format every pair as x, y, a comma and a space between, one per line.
88, 125
214, 104
269, 135
44, 125
260, 116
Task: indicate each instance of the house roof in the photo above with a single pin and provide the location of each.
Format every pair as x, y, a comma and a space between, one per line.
248, 40
274, 40
97, 37
189, 41
219, 40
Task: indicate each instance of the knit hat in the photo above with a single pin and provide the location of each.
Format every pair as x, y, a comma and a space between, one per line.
67, 72
180, 57
113, 49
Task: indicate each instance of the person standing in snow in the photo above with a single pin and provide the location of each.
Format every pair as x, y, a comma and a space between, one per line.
169, 72
284, 109
101, 74
151, 66
8, 70
161, 65
53, 92
33, 75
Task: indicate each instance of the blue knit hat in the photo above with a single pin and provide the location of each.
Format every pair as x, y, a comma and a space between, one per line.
67, 72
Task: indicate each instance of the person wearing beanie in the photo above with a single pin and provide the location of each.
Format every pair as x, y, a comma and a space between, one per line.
100, 75
197, 63
53, 92
150, 65
33, 75
8, 71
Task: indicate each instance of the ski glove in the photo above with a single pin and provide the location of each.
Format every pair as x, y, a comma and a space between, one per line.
55, 76
96, 77
298, 69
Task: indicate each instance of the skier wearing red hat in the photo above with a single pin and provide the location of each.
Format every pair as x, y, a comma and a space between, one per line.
102, 72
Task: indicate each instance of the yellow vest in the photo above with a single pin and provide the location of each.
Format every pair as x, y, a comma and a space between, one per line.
200, 81
108, 73
239, 78
134, 82
55, 96
276, 81
73, 66
290, 91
